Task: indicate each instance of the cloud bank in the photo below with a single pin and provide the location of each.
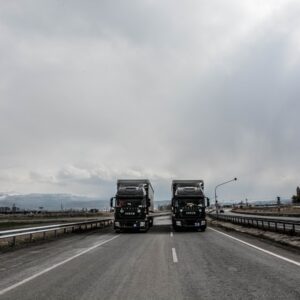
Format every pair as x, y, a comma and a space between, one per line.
92, 92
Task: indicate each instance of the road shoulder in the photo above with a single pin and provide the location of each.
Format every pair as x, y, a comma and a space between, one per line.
291, 242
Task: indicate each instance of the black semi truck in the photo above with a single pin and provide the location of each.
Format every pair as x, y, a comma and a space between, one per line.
133, 205
188, 204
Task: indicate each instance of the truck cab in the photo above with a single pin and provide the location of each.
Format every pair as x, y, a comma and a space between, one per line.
133, 205
188, 205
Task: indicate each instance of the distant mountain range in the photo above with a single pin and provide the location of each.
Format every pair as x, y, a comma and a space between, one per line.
54, 202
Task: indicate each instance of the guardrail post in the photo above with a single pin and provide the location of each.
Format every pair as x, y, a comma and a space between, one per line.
30, 237
13, 241
44, 235
293, 230
55, 233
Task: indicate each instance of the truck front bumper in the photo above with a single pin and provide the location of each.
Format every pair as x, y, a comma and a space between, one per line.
188, 223
130, 224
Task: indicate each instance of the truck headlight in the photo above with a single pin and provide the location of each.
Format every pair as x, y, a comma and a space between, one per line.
121, 210
117, 224
138, 210
178, 223
142, 224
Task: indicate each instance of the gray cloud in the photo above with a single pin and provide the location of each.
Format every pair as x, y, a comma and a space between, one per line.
91, 92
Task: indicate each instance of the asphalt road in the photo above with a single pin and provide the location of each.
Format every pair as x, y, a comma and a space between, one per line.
160, 264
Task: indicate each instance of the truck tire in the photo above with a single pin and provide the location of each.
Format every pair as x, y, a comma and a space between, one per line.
146, 228
176, 228
150, 222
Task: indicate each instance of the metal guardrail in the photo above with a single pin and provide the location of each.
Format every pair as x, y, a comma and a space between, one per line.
282, 226
14, 233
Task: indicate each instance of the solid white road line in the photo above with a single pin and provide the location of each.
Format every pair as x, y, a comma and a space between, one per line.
258, 248
171, 233
175, 259
2, 292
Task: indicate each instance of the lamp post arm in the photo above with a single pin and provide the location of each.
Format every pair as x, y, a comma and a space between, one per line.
234, 179
216, 202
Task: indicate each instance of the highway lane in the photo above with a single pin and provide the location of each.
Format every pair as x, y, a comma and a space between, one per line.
206, 265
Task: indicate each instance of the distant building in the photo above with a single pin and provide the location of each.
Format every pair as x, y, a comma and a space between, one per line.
296, 198
14, 209
4, 209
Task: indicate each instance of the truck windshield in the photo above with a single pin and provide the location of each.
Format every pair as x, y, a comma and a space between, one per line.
129, 202
188, 202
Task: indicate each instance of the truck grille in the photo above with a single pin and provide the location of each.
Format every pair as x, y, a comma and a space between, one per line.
128, 213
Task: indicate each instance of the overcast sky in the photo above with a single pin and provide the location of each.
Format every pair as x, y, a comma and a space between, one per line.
92, 91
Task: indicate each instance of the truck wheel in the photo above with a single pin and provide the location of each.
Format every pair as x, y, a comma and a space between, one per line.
145, 230
176, 228
148, 225
202, 229
150, 222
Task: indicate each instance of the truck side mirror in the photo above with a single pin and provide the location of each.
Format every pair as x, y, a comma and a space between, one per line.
148, 203
208, 202
111, 202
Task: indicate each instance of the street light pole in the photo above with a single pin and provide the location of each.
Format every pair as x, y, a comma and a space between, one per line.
216, 201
